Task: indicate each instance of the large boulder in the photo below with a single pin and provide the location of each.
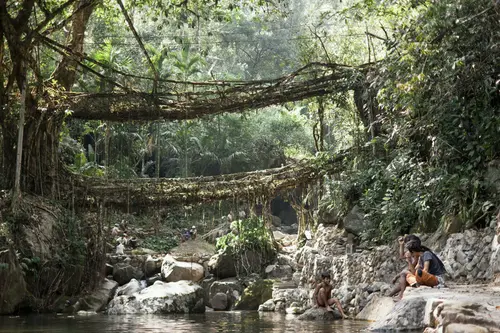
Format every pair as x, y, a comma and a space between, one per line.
275, 221
98, 300
40, 229
286, 294
219, 302
172, 297
320, 313
152, 266
461, 316
123, 273
279, 272
355, 222
230, 287
326, 215
222, 265
179, 270
376, 309
255, 294
130, 288
12, 279
408, 313
295, 308
267, 306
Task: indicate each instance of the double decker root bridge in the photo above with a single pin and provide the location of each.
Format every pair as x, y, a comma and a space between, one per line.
190, 100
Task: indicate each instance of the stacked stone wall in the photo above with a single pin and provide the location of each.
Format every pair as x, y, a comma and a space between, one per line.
469, 257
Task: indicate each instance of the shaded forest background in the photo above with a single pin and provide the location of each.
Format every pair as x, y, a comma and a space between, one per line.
422, 129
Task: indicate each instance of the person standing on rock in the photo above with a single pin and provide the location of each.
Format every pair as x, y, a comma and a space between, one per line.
322, 295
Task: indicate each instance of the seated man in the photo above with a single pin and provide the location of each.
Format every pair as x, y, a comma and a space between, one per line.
406, 255
424, 268
429, 270
322, 295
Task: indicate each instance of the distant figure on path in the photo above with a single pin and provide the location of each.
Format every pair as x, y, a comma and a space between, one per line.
193, 232
115, 231
185, 235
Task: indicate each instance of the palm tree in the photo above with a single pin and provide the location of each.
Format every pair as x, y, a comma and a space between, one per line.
185, 64
111, 57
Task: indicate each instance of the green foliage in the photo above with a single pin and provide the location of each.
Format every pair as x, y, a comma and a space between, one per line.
248, 234
30, 266
185, 64
218, 145
161, 243
439, 100
84, 167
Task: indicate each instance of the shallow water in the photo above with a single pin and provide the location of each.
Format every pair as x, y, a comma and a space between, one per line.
231, 322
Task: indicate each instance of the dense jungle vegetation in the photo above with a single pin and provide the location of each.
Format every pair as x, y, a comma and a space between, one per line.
421, 130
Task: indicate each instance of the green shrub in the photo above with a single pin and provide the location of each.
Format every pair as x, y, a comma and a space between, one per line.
161, 243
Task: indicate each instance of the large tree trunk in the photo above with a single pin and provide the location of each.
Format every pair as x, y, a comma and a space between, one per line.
13, 32
41, 162
40, 140
65, 73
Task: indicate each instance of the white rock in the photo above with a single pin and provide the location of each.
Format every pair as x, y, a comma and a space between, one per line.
161, 297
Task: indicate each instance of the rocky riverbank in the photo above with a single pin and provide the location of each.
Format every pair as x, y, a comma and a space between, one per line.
460, 308
194, 278
361, 278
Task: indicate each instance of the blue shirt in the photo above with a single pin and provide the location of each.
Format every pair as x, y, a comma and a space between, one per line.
435, 265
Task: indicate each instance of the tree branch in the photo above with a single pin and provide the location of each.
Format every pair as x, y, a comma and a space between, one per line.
51, 16
21, 20
87, 67
139, 41
63, 23
322, 44
376, 36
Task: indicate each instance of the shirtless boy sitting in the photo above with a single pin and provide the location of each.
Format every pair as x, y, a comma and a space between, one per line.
322, 295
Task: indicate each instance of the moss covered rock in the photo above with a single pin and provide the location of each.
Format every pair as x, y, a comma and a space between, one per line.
255, 294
